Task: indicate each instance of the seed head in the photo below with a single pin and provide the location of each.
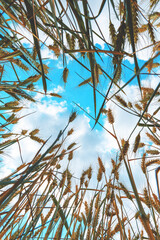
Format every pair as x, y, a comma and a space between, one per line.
110, 116
72, 117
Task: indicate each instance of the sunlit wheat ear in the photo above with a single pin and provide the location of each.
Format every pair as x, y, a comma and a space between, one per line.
104, 110
34, 53
157, 202
97, 72
89, 173
85, 82
120, 35
34, 132
156, 111
117, 74
65, 74
156, 46
149, 66
70, 131
143, 163
109, 227
108, 193
147, 198
12, 104
62, 154
99, 175
71, 146
68, 38
79, 218
120, 38
55, 48
76, 195
139, 108
83, 218
77, 233
154, 130
82, 178
23, 132
127, 193
153, 161
134, 8
137, 214
21, 166
97, 201
151, 32
118, 227
63, 179
129, 234
67, 201
121, 9
121, 101
144, 100
15, 120
53, 161
19, 63
72, 117
90, 213
73, 42
17, 109
141, 144
55, 95
115, 168
110, 116
136, 143
153, 152
141, 235
55, 147
37, 139
124, 150
46, 68
81, 46
58, 166
86, 183
88, 236
42, 218
70, 156
122, 142
101, 165
148, 90
107, 211
153, 139
96, 217
155, 205
112, 33
68, 187
86, 208
7, 135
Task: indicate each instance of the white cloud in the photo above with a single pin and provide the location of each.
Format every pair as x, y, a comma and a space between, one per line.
58, 89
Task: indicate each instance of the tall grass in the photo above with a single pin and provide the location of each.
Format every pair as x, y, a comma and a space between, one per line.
40, 200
